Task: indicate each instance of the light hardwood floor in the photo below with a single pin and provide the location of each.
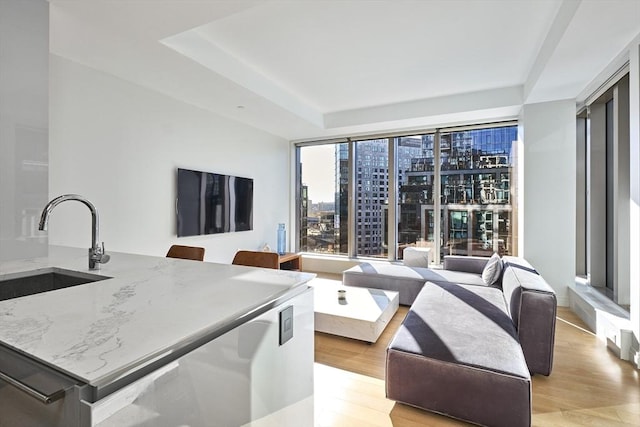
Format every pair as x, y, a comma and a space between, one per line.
588, 385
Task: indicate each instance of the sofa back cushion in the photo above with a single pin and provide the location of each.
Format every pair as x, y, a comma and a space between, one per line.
408, 281
464, 263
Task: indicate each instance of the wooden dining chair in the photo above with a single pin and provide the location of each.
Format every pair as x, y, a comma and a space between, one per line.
257, 259
186, 252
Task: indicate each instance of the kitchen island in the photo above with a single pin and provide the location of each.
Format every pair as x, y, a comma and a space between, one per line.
203, 338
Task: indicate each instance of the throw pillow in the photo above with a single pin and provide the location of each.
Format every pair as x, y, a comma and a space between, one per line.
493, 270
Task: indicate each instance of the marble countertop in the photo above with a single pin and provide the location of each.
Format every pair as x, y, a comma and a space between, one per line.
150, 306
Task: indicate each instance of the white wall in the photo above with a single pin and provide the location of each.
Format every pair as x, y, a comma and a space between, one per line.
549, 138
24, 56
119, 144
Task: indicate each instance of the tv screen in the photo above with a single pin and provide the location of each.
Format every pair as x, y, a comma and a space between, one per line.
210, 203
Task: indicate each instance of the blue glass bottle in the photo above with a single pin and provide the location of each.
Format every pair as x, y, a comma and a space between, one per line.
282, 239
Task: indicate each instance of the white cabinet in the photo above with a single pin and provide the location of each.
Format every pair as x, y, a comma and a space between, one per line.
24, 116
242, 378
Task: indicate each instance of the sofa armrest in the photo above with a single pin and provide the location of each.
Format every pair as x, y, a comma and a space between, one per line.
467, 264
532, 305
537, 329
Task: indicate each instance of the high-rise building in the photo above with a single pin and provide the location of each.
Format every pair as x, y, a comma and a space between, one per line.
372, 189
341, 197
476, 195
476, 174
304, 217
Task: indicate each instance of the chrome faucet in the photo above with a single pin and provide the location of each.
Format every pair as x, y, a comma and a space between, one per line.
97, 255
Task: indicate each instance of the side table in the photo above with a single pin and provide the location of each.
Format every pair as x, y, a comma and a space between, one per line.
290, 261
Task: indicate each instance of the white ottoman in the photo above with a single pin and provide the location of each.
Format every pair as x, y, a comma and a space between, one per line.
414, 256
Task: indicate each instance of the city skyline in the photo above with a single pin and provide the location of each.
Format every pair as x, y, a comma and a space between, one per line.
475, 194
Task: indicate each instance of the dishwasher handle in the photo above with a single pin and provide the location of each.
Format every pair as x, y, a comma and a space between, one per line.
44, 398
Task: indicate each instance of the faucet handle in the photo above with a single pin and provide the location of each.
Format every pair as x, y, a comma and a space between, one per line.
101, 255
104, 258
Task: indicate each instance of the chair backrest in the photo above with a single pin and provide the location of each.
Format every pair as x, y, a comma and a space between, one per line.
257, 259
186, 252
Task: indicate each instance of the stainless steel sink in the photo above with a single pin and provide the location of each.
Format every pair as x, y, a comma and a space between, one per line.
43, 280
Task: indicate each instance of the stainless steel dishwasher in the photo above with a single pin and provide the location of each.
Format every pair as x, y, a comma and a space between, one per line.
34, 395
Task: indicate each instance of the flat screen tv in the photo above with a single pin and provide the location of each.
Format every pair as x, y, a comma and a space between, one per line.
210, 203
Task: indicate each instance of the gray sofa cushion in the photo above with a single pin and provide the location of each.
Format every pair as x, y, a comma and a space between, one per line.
408, 281
457, 353
469, 264
440, 325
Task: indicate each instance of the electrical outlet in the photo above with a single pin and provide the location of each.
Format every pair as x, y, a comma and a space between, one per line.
286, 324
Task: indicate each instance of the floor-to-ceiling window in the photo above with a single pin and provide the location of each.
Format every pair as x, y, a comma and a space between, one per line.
602, 237
454, 193
476, 178
322, 205
416, 192
476, 171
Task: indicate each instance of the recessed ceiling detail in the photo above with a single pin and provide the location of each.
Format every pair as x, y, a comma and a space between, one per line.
313, 69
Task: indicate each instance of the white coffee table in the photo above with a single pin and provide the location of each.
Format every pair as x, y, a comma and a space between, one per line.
362, 315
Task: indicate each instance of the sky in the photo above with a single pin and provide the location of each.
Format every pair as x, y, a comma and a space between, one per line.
318, 172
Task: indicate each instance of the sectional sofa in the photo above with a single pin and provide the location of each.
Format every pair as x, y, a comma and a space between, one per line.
472, 338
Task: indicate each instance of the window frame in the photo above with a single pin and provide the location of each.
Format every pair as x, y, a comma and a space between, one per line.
392, 166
